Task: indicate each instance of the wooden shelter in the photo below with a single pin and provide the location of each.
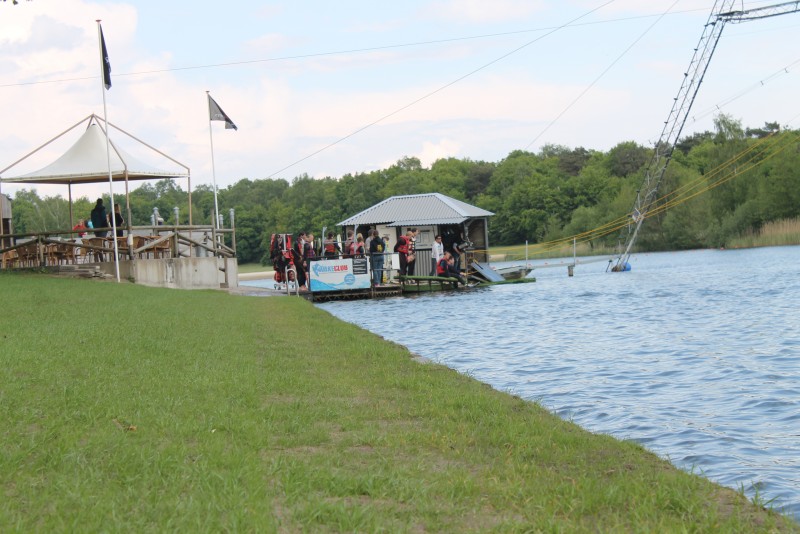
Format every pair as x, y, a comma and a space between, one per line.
431, 214
89, 160
182, 257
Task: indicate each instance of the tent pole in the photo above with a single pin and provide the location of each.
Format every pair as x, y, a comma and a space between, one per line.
131, 255
108, 155
127, 202
190, 199
189, 178
69, 192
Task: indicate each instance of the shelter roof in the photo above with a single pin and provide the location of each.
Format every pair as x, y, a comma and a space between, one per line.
89, 161
417, 210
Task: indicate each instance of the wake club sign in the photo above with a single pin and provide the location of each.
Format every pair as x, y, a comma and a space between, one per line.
338, 275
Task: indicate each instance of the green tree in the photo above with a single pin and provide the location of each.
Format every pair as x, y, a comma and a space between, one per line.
769, 128
627, 158
30, 213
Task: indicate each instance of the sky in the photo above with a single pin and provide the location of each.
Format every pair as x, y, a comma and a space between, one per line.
324, 88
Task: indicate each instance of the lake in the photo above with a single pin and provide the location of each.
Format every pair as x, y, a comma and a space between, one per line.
695, 355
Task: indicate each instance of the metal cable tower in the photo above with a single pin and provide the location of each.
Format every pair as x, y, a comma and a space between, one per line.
721, 13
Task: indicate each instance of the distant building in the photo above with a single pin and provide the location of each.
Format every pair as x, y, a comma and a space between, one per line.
5, 220
431, 214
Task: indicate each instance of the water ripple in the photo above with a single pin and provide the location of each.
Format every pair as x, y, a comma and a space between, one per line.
695, 355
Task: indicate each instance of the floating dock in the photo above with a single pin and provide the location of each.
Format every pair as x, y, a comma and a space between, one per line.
427, 284
384, 291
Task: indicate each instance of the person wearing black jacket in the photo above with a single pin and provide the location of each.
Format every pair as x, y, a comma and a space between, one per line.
118, 220
376, 249
99, 218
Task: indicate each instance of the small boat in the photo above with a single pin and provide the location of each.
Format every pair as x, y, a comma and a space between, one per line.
513, 272
494, 274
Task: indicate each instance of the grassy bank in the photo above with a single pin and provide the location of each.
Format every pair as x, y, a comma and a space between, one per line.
126, 408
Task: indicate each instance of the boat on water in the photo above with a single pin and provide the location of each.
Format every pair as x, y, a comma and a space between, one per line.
499, 274
513, 272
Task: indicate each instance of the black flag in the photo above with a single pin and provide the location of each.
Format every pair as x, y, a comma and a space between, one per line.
106, 62
215, 113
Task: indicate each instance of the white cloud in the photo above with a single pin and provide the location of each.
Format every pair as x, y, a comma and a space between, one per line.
444, 148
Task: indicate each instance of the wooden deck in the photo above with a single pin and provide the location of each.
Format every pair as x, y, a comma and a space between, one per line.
391, 290
427, 284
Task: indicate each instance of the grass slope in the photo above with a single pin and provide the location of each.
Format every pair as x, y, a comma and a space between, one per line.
127, 408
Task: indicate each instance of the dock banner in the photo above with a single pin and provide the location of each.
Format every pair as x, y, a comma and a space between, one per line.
338, 275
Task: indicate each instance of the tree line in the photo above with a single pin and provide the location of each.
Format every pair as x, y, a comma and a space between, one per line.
536, 197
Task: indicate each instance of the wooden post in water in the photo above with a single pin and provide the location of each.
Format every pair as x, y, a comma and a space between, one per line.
571, 268
526, 253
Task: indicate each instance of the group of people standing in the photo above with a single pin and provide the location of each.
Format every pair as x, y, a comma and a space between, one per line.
374, 245
444, 260
406, 248
304, 250
100, 218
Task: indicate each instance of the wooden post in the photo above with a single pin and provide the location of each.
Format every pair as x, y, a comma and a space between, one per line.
233, 232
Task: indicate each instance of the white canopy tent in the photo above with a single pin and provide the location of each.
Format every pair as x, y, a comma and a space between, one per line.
87, 161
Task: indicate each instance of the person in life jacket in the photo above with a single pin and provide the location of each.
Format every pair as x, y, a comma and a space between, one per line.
348, 245
441, 266
446, 268
297, 260
358, 247
411, 257
308, 249
401, 247
331, 247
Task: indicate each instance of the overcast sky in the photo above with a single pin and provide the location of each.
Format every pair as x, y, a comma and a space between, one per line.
329, 88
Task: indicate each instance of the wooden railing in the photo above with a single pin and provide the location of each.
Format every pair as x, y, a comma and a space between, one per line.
44, 249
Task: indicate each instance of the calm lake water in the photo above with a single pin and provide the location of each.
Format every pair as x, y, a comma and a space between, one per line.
695, 355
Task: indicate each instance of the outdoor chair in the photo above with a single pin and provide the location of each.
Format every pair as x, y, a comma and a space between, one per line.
10, 259
28, 255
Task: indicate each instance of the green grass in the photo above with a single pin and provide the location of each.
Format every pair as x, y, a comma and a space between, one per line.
127, 408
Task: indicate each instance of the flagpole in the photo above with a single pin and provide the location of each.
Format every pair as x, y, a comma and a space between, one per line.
213, 171
103, 59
